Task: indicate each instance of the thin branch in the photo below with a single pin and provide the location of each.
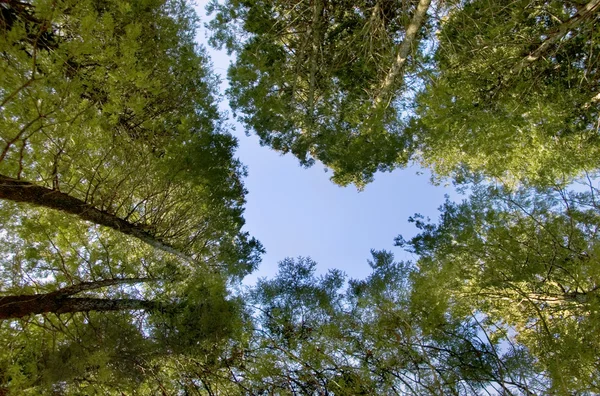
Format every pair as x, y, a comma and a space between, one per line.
12, 95
583, 13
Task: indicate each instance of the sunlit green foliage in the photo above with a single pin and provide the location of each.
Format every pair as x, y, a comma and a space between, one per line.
189, 311
316, 335
509, 90
308, 77
507, 100
526, 261
111, 107
113, 104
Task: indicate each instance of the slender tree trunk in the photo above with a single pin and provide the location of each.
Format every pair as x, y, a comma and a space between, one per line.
410, 38
23, 191
59, 301
315, 32
14, 307
584, 12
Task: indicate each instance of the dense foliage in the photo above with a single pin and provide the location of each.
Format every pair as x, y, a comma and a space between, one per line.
315, 78
514, 92
507, 89
111, 103
109, 116
526, 261
121, 200
317, 335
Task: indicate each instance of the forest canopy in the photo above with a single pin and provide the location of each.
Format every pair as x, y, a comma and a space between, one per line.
122, 245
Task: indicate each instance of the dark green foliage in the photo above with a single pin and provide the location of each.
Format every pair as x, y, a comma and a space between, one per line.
307, 78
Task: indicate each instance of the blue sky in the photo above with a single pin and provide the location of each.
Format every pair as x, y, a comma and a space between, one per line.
295, 211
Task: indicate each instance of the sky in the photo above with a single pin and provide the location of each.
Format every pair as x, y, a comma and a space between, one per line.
296, 211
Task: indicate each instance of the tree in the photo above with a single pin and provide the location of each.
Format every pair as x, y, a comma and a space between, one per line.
89, 96
504, 90
321, 335
513, 92
122, 201
524, 261
317, 78
91, 310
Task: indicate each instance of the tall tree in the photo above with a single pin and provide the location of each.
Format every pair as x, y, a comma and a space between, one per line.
108, 112
526, 261
321, 335
514, 91
122, 201
509, 90
317, 78
84, 309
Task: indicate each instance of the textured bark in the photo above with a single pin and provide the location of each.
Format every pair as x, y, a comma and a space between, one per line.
14, 307
403, 50
24, 191
315, 32
59, 301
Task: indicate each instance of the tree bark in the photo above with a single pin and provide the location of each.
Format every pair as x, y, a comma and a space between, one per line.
14, 307
59, 301
315, 32
23, 191
403, 50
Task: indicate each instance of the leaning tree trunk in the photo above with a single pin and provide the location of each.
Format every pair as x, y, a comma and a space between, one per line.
410, 39
14, 307
23, 191
60, 301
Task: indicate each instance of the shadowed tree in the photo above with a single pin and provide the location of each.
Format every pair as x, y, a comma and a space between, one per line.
507, 90
325, 80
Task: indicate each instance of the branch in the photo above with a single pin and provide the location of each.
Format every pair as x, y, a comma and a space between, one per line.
403, 50
14, 307
583, 13
24, 191
12, 95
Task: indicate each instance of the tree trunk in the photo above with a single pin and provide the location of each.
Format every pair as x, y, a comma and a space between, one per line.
14, 307
315, 32
403, 50
24, 191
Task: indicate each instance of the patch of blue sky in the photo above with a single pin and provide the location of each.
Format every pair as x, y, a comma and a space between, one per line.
295, 211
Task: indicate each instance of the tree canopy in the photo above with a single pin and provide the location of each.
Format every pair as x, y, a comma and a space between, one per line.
525, 261
513, 92
122, 244
507, 90
316, 78
122, 199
